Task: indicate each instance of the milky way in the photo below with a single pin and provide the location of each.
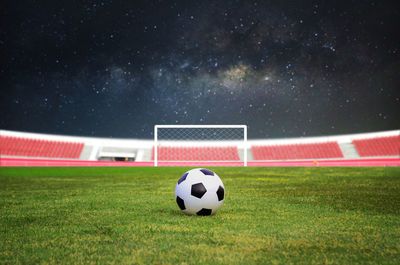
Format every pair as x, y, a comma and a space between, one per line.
116, 68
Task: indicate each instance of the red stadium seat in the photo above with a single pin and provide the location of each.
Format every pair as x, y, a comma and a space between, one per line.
297, 151
379, 146
210, 153
18, 146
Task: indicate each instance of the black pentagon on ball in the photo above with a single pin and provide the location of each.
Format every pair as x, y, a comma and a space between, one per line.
183, 178
220, 193
207, 172
198, 190
180, 203
204, 212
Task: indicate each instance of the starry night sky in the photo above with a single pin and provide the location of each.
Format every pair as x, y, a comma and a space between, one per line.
116, 68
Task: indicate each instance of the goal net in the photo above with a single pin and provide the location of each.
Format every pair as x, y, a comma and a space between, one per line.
200, 143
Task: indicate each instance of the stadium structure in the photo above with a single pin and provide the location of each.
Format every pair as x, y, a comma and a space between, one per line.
365, 149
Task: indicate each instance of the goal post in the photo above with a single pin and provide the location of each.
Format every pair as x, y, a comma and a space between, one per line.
200, 143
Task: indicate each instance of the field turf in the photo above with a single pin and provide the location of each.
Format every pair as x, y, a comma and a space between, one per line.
129, 216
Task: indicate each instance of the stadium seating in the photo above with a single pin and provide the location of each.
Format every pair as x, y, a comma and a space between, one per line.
226, 153
379, 146
297, 151
18, 146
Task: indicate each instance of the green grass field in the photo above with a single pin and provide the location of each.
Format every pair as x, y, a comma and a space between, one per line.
129, 216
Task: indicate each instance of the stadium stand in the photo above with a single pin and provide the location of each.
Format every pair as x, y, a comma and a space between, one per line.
379, 146
364, 149
225, 153
297, 151
27, 147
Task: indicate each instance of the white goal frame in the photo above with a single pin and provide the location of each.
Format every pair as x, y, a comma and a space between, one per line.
156, 127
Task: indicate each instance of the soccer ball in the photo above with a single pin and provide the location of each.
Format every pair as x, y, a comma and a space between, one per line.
199, 192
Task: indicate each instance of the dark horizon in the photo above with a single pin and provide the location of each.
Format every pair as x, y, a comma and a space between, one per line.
117, 68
